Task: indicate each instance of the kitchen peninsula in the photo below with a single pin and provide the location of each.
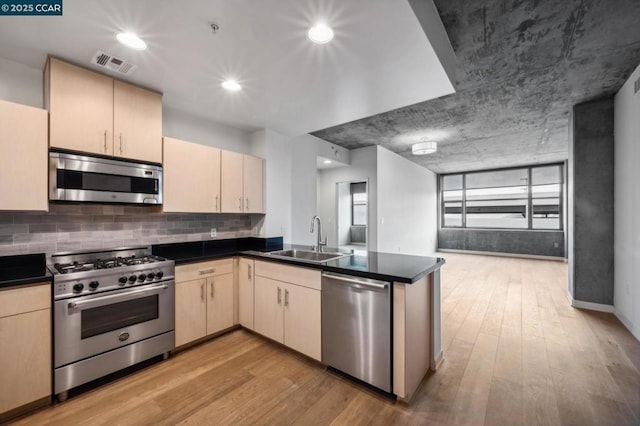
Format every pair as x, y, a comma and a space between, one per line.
416, 322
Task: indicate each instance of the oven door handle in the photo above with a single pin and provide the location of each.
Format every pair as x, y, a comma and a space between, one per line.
121, 297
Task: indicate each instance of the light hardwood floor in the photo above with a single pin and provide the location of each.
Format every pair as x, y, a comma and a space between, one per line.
516, 352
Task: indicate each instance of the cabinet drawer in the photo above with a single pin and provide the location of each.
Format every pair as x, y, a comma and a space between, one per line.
290, 274
199, 270
18, 300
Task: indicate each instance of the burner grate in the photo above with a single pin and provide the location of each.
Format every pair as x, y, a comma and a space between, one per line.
114, 262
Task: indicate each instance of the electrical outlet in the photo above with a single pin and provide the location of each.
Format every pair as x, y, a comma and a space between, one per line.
214, 232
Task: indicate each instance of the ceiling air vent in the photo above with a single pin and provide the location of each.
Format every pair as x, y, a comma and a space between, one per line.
110, 62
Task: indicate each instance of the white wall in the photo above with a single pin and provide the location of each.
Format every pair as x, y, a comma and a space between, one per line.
344, 213
180, 125
407, 206
276, 150
627, 206
303, 187
305, 183
21, 84
362, 168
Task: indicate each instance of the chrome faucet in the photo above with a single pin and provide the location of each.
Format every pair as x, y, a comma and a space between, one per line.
319, 244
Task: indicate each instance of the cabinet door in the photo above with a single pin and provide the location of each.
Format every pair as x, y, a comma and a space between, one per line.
191, 311
245, 292
269, 316
137, 123
191, 177
231, 182
80, 105
219, 303
302, 320
253, 184
25, 358
23, 147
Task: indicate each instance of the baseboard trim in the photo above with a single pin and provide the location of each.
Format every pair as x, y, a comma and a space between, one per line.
625, 321
600, 307
437, 362
501, 254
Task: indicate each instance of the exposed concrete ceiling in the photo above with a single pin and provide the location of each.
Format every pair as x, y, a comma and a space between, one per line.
521, 66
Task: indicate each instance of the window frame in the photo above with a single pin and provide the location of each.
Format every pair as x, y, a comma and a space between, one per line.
353, 204
529, 198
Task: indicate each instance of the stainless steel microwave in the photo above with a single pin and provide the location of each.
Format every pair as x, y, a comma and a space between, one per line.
79, 178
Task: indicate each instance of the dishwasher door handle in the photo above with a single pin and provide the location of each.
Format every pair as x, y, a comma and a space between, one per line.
354, 281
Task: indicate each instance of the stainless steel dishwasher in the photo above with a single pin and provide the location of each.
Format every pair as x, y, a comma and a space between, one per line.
356, 328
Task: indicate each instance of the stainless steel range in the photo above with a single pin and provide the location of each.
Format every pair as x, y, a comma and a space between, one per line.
112, 309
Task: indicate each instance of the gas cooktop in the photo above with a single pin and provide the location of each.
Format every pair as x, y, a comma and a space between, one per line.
113, 262
82, 273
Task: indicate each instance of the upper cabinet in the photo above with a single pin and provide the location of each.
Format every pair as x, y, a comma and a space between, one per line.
191, 177
137, 123
93, 113
23, 148
231, 178
242, 183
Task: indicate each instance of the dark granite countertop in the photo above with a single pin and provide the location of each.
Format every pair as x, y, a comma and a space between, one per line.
200, 251
382, 266
23, 270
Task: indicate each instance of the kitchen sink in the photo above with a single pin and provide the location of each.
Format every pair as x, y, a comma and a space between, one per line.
307, 255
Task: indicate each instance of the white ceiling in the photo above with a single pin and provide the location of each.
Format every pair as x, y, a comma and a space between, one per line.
379, 60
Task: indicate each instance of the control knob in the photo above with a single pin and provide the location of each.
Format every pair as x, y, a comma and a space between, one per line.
159, 275
94, 284
133, 278
151, 276
122, 280
78, 288
142, 277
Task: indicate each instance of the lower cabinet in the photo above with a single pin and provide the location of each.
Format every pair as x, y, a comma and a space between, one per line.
203, 305
246, 292
25, 349
288, 312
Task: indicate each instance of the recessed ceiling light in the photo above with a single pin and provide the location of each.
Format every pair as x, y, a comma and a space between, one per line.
231, 85
131, 40
327, 161
320, 33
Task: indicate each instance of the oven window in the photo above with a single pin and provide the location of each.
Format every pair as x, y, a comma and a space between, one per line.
115, 316
71, 179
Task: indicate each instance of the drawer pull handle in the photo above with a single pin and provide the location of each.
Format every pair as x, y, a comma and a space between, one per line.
207, 271
279, 295
286, 298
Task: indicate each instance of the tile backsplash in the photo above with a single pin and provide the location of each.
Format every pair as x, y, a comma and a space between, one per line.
73, 227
